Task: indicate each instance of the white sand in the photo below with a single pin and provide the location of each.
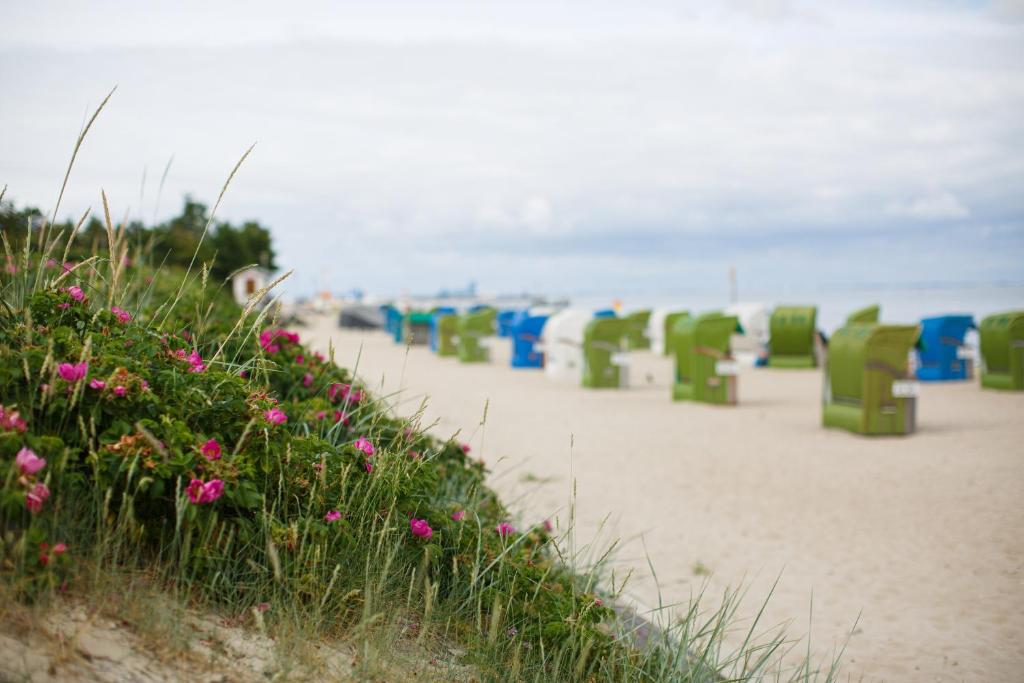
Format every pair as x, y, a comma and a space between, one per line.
922, 535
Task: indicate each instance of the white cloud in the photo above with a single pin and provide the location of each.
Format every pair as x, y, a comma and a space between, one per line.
938, 206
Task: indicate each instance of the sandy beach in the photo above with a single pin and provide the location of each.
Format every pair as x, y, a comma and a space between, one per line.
922, 537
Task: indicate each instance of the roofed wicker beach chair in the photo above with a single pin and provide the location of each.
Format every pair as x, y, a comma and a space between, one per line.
793, 333
867, 390
436, 314
868, 314
604, 341
1002, 351
526, 334
472, 328
705, 369
416, 328
941, 354
636, 330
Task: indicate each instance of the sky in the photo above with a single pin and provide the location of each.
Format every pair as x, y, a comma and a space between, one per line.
563, 147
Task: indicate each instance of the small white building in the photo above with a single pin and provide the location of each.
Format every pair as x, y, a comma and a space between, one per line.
248, 282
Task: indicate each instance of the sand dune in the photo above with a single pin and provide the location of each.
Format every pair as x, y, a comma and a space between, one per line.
921, 536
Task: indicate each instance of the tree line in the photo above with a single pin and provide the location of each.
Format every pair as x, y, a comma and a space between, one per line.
226, 247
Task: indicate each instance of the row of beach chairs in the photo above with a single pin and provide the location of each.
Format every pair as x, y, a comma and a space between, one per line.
870, 368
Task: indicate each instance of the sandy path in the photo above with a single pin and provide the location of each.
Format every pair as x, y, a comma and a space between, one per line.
922, 536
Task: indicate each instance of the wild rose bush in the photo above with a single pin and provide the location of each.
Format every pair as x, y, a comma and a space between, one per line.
241, 457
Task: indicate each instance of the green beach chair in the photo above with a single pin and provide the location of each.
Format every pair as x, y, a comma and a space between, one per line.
867, 389
705, 370
416, 328
636, 331
447, 331
1002, 351
670, 324
868, 314
603, 338
471, 328
791, 344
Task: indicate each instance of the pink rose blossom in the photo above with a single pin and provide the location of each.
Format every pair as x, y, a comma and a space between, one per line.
72, 372
321, 415
51, 263
300, 359
340, 416
243, 374
332, 516
28, 462
120, 391
210, 450
59, 549
459, 516
196, 361
10, 420
200, 493
97, 384
548, 526
420, 528
76, 293
504, 529
368, 466
68, 266
262, 607
363, 444
64, 306
121, 314
599, 602
307, 380
414, 455
465, 448
36, 497
275, 416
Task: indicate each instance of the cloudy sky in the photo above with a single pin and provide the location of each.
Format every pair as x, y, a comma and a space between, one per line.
592, 146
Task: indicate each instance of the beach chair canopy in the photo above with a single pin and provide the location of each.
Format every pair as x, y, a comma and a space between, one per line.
471, 328
526, 334
602, 339
505, 319
938, 355
868, 314
436, 314
605, 313
864, 362
792, 333
636, 331
562, 341
698, 343
416, 327
1002, 351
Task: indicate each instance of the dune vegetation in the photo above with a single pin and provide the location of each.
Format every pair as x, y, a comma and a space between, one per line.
156, 437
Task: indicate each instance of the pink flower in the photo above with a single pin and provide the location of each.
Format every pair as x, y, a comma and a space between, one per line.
28, 462
275, 416
599, 602
335, 389
68, 266
319, 356
307, 380
300, 359
196, 361
243, 373
72, 373
321, 415
36, 497
210, 450
59, 549
414, 455
121, 314
64, 306
458, 516
97, 384
368, 466
465, 448
145, 385
363, 444
10, 420
504, 529
420, 528
340, 416
51, 263
200, 493
262, 607
76, 293
180, 354
194, 491
212, 490
120, 391
332, 516
548, 526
